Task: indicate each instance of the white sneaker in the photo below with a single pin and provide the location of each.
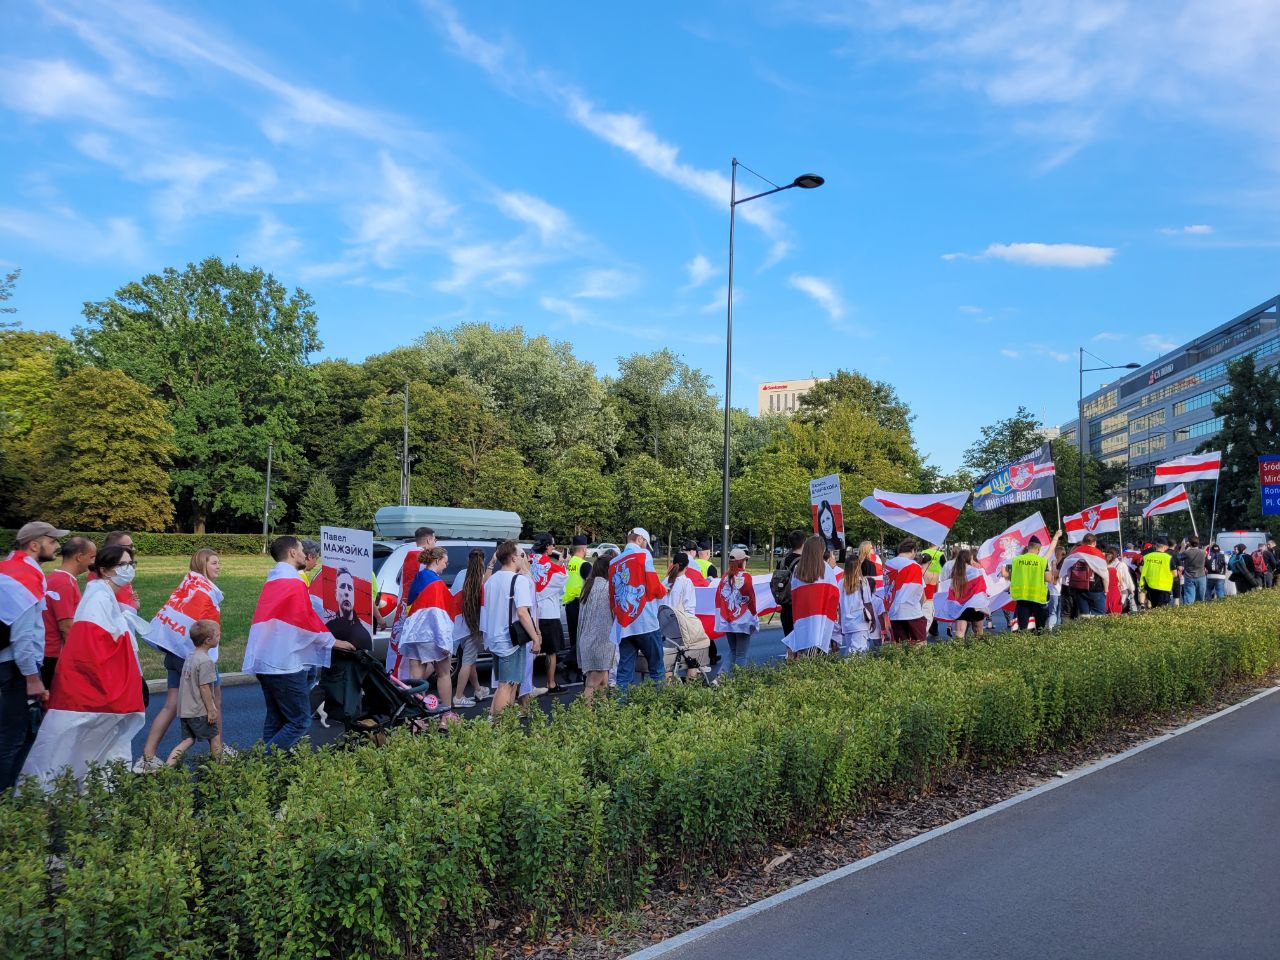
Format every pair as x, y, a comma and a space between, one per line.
537, 691
148, 765
484, 693
463, 702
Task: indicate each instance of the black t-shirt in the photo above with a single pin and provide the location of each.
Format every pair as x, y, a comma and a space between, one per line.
353, 632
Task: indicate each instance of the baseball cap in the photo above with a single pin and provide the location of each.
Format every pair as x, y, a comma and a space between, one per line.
704, 544
38, 528
738, 554
580, 541
688, 546
640, 532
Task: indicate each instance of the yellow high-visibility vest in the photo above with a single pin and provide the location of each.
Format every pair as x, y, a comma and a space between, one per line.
1027, 581
573, 583
1157, 571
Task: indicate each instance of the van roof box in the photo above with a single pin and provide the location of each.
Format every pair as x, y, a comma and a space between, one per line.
449, 523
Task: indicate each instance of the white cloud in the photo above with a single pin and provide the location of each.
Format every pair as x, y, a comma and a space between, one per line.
1011, 354
700, 270
972, 309
405, 215
63, 231
272, 244
1156, 343
719, 301
1058, 355
56, 89
605, 284
1073, 255
1107, 335
1194, 229
493, 266
566, 308
821, 292
552, 223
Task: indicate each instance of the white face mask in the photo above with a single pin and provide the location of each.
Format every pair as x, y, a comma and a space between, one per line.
123, 575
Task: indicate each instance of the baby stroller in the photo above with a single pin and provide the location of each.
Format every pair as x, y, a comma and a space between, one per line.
681, 663
368, 701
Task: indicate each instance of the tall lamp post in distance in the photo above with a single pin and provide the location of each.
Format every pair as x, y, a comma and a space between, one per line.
1082, 442
806, 181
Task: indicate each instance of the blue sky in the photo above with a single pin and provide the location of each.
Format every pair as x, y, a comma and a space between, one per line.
1005, 182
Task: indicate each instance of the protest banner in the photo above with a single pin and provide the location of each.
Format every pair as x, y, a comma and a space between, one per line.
1026, 479
345, 584
828, 516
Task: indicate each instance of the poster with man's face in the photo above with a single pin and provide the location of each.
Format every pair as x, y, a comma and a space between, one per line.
345, 584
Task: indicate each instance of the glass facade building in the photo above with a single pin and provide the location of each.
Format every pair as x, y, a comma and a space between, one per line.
1165, 409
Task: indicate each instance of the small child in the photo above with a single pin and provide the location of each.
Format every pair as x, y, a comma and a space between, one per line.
196, 708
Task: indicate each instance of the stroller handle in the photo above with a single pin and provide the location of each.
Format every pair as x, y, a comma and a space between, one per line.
410, 686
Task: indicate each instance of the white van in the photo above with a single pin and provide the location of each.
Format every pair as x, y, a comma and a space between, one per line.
1252, 539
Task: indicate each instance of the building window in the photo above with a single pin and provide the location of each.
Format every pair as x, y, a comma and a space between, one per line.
1113, 443
1116, 421
1101, 404
1204, 428
1200, 400
1153, 444
1119, 460
1153, 419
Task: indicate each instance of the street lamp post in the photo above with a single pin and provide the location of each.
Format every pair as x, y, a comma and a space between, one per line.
1082, 442
806, 181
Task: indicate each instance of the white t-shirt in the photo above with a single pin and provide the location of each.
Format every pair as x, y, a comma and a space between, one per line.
680, 596
495, 615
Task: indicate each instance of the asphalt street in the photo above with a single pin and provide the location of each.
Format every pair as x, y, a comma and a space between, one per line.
1172, 853
243, 710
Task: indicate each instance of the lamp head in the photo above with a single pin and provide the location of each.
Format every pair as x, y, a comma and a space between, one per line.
1132, 366
807, 181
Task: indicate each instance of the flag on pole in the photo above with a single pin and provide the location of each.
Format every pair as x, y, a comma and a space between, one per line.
1000, 551
928, 516
1170, 502
1100, 518
1194, 466
1028, 478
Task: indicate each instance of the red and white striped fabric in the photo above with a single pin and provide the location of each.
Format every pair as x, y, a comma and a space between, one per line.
428, 632
96, 704
1100, 518
762, 600
286, 635
1171, 502
928, 516
815, 608
1091, 555
549, 579
735, 604
22, 586
195, 599
1194, 466
947, 606
700, 582
998, 552
903, 589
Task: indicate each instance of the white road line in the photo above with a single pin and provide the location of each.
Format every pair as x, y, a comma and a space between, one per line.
697, 933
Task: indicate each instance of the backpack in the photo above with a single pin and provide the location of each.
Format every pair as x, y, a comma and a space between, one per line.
1080, 577
1259, 561
1216, 564
780, 583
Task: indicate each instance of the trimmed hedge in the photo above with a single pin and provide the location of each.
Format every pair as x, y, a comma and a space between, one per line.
170, 544
384, 851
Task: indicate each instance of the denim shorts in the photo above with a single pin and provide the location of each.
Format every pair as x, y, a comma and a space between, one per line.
510, 669
173, 670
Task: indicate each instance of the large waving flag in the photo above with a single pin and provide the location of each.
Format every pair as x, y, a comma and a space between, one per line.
1171, 502
1030, 477
994, 555
754, 596
1194, 466
928, 516
1100, 518
96, 704
286, 635
815, 608
196, 598
948, 606
22, 586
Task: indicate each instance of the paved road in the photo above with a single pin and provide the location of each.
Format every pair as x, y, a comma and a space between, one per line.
243, 710
1172, 853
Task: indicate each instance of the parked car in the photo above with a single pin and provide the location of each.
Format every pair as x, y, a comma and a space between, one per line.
596, 549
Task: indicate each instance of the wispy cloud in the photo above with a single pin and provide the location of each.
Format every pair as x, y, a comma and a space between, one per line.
1194, 229
68, 234
1107, 335
821, 291
552, 223
406, 215
605, 284
971, 309
1010, 353
700, 270
1071, 255
1156, 342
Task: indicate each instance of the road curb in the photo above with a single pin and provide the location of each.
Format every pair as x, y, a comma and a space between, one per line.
751, 910
236, 679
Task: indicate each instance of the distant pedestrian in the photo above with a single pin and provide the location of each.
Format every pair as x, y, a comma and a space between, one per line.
577, 569
285, 638
311, 566
1157, 574
427, 637
1243, 572
966, 589
904, 583
683, 603
861, 607
703, 561
780, 582
96, 707
23, 595
198, 709
1192, 566
634, 592
736, 615
468, 637
62, 598
597, 652
549, 579
1029, 576
1216, 573
196, 598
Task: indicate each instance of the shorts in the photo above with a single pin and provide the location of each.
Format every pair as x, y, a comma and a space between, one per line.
198, 728
173, 670
510, 669
910, 631
969, 615
471, 648
552, 636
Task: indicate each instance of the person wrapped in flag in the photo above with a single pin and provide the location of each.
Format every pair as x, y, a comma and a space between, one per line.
1084, 572
736, 616
861, 606
468, 637
904, 582
962, 598
815, 602
96, 707
549, 578
427, 637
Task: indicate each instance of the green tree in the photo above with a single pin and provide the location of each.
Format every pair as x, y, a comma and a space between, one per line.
28, 382
667, 410
319, 506
577, 496
225, 348
875, 398
1250, 411
106, 466
651, 496
7, 282
772, 497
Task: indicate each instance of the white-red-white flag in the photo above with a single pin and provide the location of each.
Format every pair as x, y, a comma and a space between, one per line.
1000, 551
1090, 556
95, 707
286, 635
22, 586
929, 516
1170, 502
1100, 518
1194, 466
948, 605
197, 598
815, 608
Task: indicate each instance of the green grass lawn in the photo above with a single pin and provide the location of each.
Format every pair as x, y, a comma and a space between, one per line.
240, 581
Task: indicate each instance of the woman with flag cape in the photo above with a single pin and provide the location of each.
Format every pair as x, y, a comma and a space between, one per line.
427, 637
861, 608
815, 601
196, 598
96, 706
962, 597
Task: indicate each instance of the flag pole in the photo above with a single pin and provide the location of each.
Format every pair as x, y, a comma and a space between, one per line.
1194, 531
1058, 503
1213, 517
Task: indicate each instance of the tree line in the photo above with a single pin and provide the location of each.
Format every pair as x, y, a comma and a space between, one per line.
156, 414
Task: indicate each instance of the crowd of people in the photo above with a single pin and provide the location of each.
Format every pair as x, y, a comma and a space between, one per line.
72, 693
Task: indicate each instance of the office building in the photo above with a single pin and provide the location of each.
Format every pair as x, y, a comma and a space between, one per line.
1165, 409
783, 396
